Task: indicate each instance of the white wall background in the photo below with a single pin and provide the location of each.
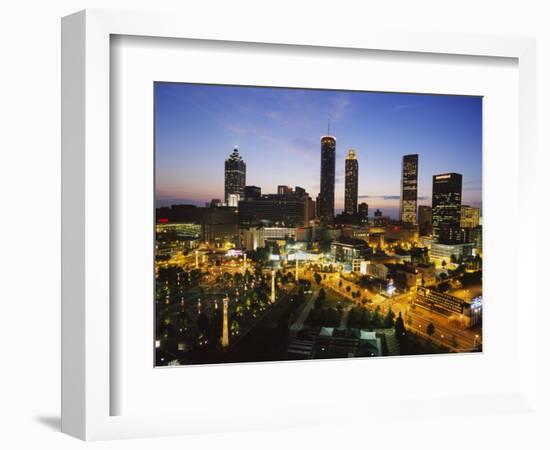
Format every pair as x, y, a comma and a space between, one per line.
30, 197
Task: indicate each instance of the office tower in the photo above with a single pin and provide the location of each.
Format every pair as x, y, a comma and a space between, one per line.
299, 191
425, 220
326, 194
409, 189
351, 182
446, 205
251, 192
284, 190
469, 216
219, 225
309, 206
235, 176
363, 213
424, 214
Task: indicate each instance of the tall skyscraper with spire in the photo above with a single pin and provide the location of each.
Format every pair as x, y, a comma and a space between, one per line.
235, 178
328, 166
409, 189
351, 183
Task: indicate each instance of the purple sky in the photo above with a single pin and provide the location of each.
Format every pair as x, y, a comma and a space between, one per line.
277, 131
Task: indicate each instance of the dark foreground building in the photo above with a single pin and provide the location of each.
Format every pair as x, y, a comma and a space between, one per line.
290, 209
446, 205
326, 195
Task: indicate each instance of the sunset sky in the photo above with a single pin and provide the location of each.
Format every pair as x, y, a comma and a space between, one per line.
278, 134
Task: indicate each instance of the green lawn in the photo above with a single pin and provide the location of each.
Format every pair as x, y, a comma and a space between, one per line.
332, 299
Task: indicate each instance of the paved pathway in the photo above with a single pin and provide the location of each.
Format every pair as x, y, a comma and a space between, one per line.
299, 323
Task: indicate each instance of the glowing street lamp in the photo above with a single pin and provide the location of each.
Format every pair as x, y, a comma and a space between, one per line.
272, 286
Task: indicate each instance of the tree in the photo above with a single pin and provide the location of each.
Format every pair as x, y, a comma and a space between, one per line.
348, 289
317, 278
320, 298
430, 329
376, 318
366, 318
388, 320
400, 331
203, 324
443, 263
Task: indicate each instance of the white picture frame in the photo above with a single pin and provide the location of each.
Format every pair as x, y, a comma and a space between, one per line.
86, 246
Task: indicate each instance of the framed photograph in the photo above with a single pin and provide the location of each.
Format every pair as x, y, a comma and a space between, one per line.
251, 265
251, 214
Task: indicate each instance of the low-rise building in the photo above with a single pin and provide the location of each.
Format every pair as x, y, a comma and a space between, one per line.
428, 275
251, 238
376, 270
346, 250
450, 252
279, 233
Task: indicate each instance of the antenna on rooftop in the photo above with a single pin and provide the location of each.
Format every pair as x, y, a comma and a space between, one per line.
328, 128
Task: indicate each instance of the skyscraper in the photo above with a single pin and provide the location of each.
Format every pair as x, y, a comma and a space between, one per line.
446, 205
425, 220
363, 213
409, 189
326, 194
235, 176
352, 177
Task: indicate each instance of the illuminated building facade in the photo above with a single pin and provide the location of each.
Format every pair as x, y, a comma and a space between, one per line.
351, 183
469, 312
469, 216
251, 238
409, 189
450, 252
284, 190
378, 271
235, 176
279, 233
446, 206
347, 249
328, 166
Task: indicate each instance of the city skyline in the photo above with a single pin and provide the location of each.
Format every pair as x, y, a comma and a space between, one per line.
194, 121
